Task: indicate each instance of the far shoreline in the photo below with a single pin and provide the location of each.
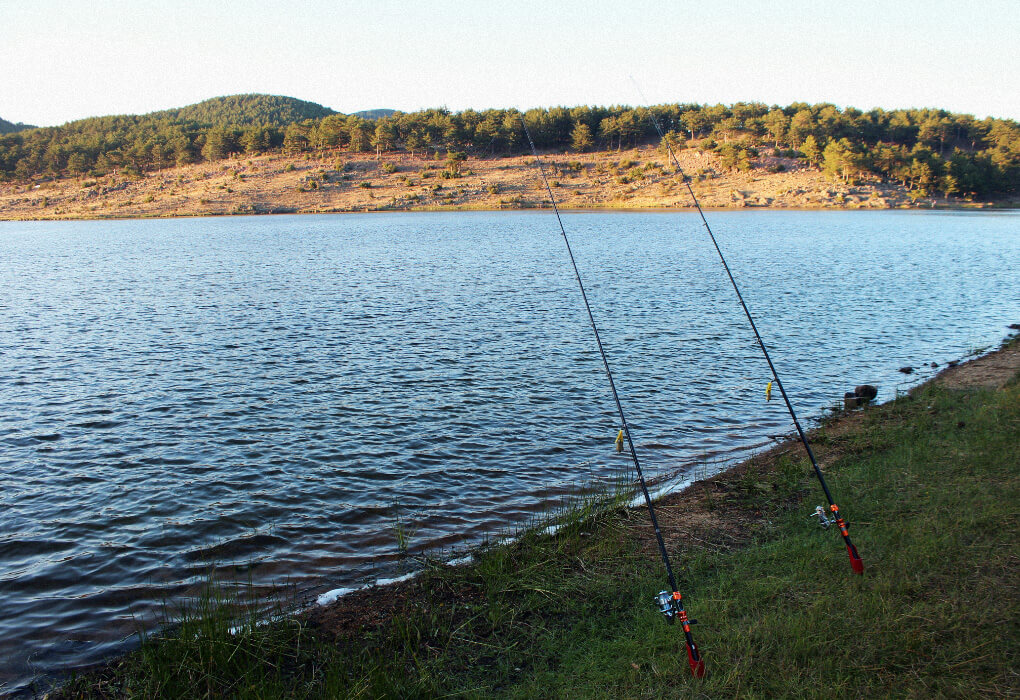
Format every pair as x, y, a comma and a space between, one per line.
993, 209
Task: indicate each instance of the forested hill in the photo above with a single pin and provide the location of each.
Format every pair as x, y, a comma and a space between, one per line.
924, 150
7, 127
245, 110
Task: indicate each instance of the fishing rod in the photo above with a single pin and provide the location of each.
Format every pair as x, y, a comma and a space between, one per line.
670, 603
856, 563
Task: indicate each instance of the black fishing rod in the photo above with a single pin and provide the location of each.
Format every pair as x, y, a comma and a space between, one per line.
670, 603
856, 563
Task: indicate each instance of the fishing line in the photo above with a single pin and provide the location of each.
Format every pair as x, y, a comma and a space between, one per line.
670, 604
856, 563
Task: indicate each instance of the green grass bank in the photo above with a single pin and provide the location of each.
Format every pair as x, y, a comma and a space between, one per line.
929, 484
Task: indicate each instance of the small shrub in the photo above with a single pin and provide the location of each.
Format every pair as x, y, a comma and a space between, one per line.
365, 184
290, 168
389, 168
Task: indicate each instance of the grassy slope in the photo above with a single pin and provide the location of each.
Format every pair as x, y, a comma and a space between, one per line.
930, 483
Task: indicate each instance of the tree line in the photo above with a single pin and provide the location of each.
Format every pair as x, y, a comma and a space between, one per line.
928, 150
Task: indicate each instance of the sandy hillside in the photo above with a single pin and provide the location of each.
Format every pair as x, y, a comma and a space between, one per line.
342, 182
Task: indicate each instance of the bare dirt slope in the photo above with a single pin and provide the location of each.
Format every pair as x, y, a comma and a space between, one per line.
346, 182
989, 372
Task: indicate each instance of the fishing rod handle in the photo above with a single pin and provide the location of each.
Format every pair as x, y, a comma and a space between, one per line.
694, 659
856, 563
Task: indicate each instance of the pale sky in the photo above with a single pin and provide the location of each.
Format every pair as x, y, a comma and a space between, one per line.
64, 60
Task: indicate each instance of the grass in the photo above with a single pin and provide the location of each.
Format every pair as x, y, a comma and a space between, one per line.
929, 483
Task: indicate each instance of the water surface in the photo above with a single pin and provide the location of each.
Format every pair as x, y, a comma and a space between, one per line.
273, 393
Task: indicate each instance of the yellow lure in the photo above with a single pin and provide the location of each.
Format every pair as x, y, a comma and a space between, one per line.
768, 391
619, 441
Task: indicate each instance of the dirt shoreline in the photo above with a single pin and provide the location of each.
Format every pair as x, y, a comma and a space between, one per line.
339, 182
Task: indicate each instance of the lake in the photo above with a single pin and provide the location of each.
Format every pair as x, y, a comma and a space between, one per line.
280, 395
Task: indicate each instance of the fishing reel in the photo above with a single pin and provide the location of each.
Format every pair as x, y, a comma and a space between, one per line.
667, 606
823, 518
664, 602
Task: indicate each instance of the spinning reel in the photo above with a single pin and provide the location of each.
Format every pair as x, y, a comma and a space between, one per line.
667, 605
823, 518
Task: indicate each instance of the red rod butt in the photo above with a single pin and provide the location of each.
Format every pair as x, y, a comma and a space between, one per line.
697, 666
856, 563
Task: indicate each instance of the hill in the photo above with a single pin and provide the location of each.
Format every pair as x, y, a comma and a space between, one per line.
331, 181
7, 127
244, 110
926, 151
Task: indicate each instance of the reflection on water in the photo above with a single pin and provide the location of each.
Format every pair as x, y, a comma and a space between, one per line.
271, 392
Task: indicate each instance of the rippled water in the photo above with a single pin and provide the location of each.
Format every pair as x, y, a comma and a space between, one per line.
275, 392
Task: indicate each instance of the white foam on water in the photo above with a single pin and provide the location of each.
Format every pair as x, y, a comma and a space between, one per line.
331, 596
663, 489
398, 579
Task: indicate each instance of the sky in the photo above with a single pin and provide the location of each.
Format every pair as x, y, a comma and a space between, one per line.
65, 60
